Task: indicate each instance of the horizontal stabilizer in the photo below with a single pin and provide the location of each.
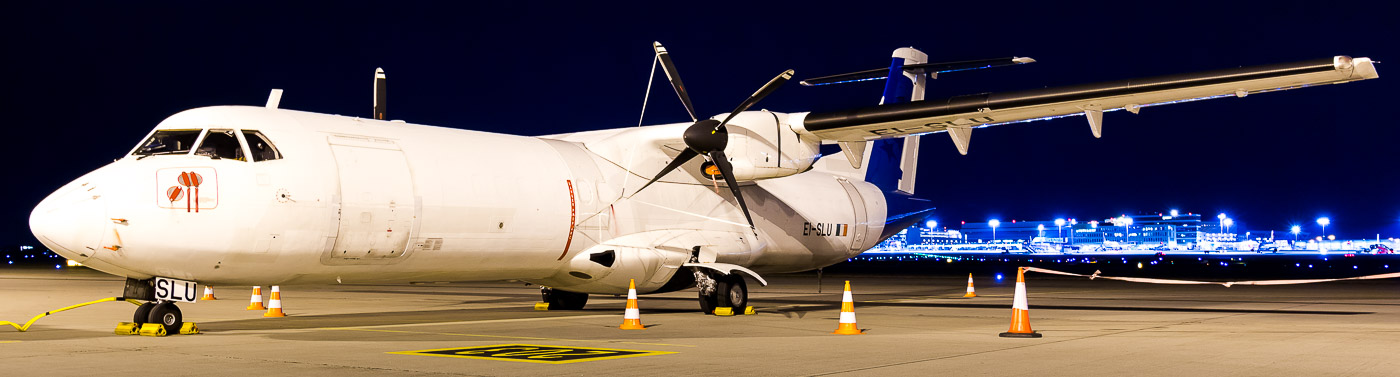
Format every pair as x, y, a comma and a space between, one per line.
882, 73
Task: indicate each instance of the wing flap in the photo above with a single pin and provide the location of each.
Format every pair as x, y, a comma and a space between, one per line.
989, 109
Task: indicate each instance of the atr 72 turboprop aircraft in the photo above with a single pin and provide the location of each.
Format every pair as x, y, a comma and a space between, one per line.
241, 195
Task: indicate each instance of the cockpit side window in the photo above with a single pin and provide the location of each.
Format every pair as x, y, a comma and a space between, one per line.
261, 148
168, 142
220, 143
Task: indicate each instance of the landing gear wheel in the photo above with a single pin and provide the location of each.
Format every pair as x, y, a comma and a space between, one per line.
563, 300
143, 312
709, 302
733, 292
166, 313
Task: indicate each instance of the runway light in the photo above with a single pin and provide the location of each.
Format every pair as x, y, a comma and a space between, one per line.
1139, 264
57, 266
999, 275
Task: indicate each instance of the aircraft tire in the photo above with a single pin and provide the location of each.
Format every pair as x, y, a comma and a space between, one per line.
733, 292
167, 314
709, 302
564, 300
143, 313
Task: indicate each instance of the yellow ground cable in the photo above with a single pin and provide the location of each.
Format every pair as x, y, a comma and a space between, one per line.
36, 318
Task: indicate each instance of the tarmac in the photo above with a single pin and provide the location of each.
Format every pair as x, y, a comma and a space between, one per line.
913, 325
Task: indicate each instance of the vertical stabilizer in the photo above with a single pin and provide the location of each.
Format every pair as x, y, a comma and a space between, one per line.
893, 163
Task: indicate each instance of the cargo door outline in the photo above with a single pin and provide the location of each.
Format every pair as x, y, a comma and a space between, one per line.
378, 209
859, 222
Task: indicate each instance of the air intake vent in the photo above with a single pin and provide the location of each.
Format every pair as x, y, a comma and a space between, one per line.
605, 258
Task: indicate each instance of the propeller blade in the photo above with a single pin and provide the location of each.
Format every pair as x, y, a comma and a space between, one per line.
767, 89
674, 77
727, 170
686, 155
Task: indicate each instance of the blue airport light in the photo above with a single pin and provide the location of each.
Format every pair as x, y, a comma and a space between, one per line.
931, 224
999, 275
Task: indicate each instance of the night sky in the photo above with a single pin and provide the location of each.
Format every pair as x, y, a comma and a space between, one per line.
86, 82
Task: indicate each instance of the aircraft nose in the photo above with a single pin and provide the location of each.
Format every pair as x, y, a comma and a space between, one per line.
71, 220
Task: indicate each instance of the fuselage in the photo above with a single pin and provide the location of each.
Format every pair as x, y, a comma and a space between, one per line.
343, 199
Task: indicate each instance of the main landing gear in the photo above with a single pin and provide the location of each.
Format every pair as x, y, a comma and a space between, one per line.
563, 300
719, 291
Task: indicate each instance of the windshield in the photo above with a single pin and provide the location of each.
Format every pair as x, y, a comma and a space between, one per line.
168, 142
263, 149
220, 144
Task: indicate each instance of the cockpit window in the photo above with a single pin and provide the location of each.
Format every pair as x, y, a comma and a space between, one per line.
219, 144
168, 142
261, 148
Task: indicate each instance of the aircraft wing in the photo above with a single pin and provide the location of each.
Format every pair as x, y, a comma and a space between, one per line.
958, 115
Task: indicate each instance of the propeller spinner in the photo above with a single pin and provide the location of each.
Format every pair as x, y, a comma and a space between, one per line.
708, 137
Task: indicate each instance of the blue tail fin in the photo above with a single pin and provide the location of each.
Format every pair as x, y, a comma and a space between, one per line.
892, 161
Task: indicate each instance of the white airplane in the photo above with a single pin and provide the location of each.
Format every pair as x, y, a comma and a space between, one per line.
242, 195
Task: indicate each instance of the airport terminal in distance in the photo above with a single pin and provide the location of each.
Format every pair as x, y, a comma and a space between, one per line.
1171, 230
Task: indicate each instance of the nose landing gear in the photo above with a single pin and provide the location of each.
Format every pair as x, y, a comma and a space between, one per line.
155, 312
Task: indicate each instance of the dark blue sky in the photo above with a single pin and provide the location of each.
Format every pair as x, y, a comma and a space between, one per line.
87, 81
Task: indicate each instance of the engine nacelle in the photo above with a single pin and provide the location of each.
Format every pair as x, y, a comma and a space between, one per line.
762, 145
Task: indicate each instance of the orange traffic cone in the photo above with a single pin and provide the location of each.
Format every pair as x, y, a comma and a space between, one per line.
970, 292
255, 303
208, 293
848, 314
274, 306
1020, 311
632, 317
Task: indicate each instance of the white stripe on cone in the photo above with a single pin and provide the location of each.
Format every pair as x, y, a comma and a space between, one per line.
276, 302
1020, 300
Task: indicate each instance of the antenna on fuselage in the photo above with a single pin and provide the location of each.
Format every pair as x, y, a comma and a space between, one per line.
274, 99
381, 94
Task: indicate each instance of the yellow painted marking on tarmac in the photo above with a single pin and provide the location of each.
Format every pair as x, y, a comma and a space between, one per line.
8, 341
533, 353
25, 327
501, 336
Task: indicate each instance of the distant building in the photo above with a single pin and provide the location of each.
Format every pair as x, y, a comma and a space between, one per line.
1014, 231
1179, 230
